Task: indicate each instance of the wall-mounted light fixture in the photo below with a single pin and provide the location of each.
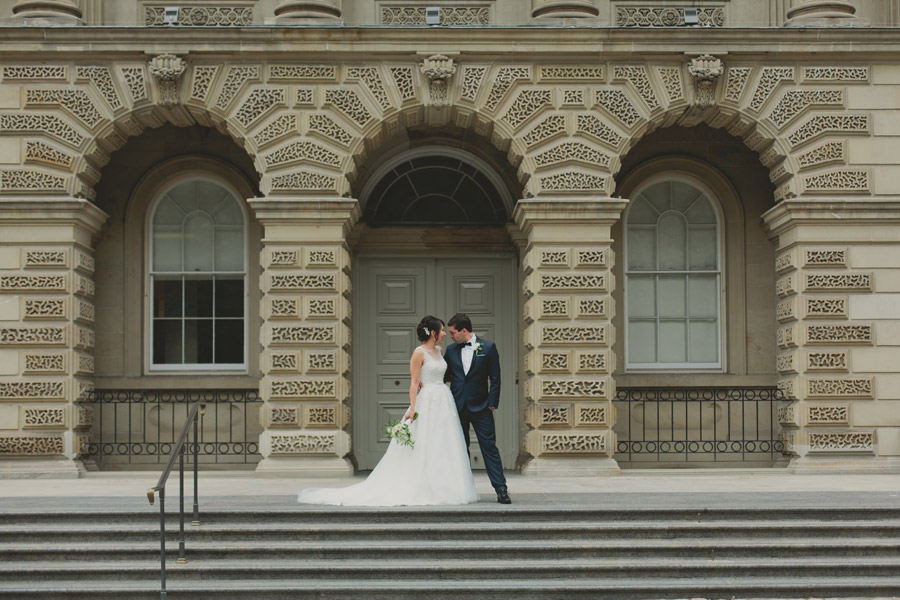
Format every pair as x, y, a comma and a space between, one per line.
432, 15
691, 17
170, 15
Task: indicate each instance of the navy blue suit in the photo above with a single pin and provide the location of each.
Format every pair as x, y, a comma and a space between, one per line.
474, 397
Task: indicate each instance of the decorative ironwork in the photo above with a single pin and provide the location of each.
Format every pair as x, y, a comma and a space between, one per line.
140, 426
697, 424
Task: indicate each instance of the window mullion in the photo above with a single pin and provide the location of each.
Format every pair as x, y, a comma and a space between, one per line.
183, 315
656, 316
213, 315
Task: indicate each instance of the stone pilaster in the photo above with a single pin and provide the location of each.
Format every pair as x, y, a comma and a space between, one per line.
307, 12
46, 334
838, 286
306, 334
567, 257
822, 13
47, 13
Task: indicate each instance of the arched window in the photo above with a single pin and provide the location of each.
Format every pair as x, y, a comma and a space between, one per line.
436, 186
198, 273
672, 279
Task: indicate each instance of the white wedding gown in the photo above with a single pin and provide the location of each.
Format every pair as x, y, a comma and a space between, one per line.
433, 471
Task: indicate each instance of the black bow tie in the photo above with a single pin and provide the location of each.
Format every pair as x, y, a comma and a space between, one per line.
465, 344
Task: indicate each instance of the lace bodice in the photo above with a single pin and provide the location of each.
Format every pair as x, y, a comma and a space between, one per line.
433, 368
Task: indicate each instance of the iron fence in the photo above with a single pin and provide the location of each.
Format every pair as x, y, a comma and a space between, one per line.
657, 424
141, 426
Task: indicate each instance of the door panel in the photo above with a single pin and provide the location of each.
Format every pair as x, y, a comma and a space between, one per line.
390, 297
404, 290
484, 290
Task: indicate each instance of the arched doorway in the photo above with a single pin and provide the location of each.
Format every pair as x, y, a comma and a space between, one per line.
432, 241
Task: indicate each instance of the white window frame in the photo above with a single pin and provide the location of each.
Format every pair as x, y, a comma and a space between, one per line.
150, 274
721, 280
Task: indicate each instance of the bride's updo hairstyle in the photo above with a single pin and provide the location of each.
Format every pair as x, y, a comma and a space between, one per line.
427, 327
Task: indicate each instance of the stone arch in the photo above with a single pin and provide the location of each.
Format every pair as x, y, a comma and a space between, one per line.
795, 118
563, 126
74, 116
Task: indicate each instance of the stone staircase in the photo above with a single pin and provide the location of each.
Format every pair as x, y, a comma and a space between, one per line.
481, 551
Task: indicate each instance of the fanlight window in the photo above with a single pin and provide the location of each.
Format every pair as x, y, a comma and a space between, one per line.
435, 190
672, 279
198, 278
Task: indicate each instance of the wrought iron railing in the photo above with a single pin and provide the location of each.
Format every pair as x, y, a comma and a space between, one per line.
662, 424
180, 448
137, 427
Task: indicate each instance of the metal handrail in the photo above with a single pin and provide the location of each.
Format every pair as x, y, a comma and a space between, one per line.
178, 451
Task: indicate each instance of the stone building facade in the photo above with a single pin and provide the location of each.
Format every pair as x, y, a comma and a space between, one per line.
195, 199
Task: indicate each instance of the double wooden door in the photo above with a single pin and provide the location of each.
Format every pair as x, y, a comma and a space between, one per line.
391, 295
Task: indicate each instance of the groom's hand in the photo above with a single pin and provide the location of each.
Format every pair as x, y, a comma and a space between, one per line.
492, 408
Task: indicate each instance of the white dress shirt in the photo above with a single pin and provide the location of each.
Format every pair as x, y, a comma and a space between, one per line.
467, 353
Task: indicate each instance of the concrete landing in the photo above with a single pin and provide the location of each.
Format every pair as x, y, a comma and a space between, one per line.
222, 490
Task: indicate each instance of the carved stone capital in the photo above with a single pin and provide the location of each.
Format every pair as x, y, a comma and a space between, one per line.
48, 12
438, 69
166, 68
706, 70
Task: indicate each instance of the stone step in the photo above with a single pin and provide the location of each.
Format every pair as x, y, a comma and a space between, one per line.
286, 531
448, 569
482, 588
546, 549
480, 512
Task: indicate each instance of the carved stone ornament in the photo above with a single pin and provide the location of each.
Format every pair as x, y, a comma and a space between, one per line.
706, 70
166, 68
438, 69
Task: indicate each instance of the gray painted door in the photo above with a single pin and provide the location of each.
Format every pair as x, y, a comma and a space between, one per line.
391, 295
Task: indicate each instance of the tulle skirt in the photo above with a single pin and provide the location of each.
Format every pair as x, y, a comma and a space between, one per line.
434, 471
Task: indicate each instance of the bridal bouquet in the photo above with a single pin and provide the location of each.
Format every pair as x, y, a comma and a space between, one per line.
400, 431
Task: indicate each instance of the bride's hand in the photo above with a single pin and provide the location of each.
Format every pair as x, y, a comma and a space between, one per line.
408, 416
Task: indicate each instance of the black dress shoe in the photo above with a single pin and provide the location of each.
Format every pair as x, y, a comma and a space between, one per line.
503, 497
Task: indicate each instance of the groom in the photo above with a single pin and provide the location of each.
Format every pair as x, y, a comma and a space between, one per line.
470, 364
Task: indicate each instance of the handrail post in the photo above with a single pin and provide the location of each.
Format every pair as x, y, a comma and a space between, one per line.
196, 521
181, 559
162, 543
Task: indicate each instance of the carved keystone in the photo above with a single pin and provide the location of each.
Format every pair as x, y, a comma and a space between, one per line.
438, 69
706, 70
166, 68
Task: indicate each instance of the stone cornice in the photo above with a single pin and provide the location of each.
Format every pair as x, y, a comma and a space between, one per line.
798, 211
494, 42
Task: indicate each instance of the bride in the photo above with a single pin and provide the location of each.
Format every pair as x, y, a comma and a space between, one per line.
435, 470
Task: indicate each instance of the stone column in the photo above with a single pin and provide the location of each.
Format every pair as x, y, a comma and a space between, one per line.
567, 257
838, 286
306, 334
563, 9
307, 12
47, 13
46, 334
821, 13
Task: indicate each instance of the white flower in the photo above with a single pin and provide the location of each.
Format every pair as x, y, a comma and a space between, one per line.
399, 430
